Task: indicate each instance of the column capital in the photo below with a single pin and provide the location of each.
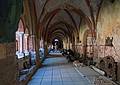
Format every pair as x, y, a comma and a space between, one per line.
26, 35
19, 33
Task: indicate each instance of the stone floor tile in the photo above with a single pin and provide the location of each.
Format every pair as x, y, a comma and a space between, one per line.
33, 83
45, 83
57, 83
68, 83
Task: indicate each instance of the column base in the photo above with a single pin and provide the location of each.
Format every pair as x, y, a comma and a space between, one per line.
38, 64
20, 55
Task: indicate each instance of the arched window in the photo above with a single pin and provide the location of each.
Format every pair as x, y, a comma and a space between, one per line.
19, 38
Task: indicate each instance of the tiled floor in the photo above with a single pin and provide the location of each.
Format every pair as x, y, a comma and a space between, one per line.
57, 71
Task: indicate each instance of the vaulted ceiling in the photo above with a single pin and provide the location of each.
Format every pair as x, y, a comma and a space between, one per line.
49, 18
64, 17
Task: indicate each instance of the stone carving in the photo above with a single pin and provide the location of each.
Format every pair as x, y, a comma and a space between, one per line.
108, 41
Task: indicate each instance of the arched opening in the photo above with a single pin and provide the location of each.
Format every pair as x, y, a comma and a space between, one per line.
19, 39
22, 37
57, 44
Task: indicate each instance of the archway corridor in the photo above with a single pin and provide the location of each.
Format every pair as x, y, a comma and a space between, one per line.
59, 42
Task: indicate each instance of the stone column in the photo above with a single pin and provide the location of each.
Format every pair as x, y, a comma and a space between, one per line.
64, 45
26, 44
20, 49
8, 64
37, 46
41, 43
71, 46
68, 43
18, 39
76, 43
32, 42
46, 48
21, 54
75, 40
21, 41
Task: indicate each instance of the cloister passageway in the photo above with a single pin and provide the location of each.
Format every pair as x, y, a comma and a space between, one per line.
79, 40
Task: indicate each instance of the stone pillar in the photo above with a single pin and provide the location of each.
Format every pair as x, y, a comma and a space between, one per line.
26, 44
17, 42
71, 46
68, 43
46, 48
37, 46
41, 43
8, 64
76, 43
75, 40
64, 45
20, 50
67, 46
21, 41
32, 42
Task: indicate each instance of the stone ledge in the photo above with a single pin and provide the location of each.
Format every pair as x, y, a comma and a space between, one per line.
98, 70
